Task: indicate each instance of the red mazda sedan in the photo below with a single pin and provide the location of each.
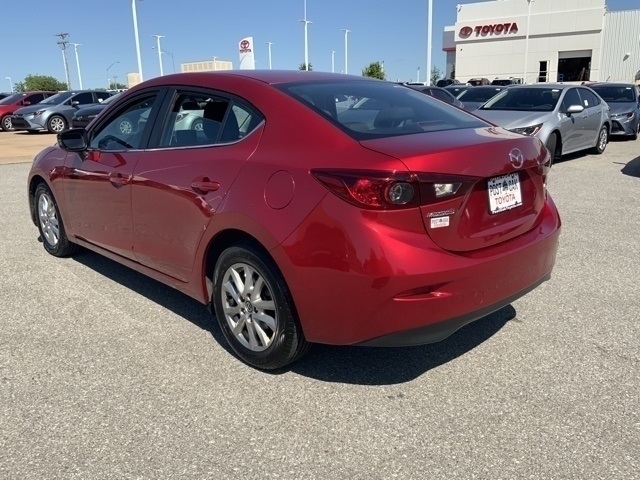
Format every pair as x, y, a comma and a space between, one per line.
392, 219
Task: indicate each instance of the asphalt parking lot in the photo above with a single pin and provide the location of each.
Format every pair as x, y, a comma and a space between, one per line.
107, 374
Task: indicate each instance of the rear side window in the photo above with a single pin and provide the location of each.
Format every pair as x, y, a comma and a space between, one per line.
201, 119
102, 96
380, 109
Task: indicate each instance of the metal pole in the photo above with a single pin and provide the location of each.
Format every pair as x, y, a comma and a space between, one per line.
526, 43
75, 47
333, 61
346, 50
108, 77
269, 45
10, 83
158, 37
306, 37
429, 37
135, 32
63, 45
418, 75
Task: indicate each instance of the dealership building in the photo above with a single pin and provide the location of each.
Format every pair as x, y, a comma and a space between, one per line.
543, 41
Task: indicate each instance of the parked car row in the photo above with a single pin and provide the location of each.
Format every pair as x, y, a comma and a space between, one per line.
46, 111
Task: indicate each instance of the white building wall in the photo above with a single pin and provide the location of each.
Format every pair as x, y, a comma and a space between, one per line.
621, 46
555, 26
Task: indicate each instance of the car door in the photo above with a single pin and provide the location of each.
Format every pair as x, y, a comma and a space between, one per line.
593, 108
571, 125
178, 188
97, 182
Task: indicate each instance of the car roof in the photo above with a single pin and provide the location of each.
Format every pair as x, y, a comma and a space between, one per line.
267, 76
608, 84
559, 86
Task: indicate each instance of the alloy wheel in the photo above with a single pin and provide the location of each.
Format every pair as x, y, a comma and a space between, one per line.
48, 220
57, 124
249, 307
6, 123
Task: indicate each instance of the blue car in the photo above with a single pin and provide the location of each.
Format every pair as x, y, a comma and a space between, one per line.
624, 106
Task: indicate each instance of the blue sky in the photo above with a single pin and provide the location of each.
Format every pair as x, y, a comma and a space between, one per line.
381, 30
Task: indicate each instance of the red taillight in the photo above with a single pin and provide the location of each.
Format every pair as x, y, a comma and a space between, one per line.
392, 190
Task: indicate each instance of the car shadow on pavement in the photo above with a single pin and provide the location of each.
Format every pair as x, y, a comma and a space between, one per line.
632, 168
157, 292
389, 366
340, 364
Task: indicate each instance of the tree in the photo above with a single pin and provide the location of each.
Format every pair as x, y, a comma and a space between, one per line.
302, 67
374, 70
435, 74
118, 86
40, 82
453, 72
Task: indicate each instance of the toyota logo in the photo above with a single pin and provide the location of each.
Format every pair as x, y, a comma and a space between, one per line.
466, 31
244, 44
516, 158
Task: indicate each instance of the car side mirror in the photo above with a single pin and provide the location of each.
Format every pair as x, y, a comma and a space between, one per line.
573, 109
75, 103
74, 140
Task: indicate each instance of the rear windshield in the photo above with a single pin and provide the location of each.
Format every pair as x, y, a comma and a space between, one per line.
380, 109
615, 94
525, 99
478, 94
11, 98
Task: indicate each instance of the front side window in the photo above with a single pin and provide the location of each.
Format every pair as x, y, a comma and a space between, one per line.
57, 99
570, 98
83, 98
102, 96
124, 129
35, 98
589, 99
381, 109
524, 99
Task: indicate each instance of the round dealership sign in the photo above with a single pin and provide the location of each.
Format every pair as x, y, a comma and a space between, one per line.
466, 31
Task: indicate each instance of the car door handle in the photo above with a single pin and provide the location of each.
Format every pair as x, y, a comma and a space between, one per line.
119, 179
205, 186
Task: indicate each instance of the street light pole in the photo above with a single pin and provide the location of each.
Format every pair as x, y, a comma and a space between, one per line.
75, 47
158, 37
429, 37
333, 61
135, 32
306, 37
269, 45
526, 43
346, 50
418, 75
108, 77
10, 83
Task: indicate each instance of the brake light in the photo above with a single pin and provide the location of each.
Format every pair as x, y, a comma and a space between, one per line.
380, 190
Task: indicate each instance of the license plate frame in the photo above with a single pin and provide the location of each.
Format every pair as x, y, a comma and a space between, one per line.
504, 193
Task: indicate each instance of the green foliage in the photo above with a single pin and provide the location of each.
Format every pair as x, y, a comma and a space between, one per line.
435, 74
374, 70
302, 67
40, 82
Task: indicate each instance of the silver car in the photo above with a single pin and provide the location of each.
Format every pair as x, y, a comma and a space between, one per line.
624, 101
566, 118
55, 113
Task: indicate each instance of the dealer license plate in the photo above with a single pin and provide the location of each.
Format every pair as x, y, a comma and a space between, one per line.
504, 192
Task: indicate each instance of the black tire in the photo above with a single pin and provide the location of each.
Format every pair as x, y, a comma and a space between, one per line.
554, 148
635, 135
602, 140
57, 124
5, 123
48, 220
276, 343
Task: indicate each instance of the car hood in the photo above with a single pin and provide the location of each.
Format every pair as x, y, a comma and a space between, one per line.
621, 107
510, 119
32, 108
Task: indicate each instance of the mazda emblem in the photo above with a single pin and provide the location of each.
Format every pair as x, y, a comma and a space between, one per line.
516, 158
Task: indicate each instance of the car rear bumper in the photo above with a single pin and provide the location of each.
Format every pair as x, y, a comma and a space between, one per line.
385, 287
